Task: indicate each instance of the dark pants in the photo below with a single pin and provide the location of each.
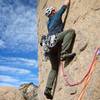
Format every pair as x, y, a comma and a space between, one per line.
65, 42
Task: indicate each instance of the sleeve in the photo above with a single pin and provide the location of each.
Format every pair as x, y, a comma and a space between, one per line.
62, 10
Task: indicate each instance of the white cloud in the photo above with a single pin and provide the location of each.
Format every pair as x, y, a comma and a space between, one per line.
2, 44
35, 80
19, 60
21, 68
10, 81
6, 84
16, 71
4, 78
18, 32
21, 30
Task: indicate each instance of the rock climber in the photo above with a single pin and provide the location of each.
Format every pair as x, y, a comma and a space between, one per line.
61, 43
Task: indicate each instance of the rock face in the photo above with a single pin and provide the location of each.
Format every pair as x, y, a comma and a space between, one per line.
29, 91
84, 17
10, 93
25, 92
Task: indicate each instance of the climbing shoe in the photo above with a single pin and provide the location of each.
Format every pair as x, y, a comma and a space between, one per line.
47, 93
68, 56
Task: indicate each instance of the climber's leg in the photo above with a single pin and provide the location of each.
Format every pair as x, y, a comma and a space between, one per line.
53, 73
68, 41
67, 38
54, 70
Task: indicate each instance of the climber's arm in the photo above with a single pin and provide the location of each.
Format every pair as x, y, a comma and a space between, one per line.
64, 7
66, 2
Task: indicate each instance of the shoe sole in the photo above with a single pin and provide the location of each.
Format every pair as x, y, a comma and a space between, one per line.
64, 58
48, 96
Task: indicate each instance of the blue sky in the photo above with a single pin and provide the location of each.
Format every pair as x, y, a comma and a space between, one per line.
18, 42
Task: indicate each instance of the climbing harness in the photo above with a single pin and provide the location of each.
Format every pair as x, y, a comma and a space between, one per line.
48, 42
85, 76
46, 49
51, 41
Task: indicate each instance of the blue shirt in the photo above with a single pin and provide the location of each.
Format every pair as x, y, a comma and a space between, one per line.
55, 24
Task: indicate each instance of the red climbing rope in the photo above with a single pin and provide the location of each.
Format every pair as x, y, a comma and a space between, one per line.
85, 76
86, 81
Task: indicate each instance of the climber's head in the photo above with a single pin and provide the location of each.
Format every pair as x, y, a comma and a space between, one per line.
50, 11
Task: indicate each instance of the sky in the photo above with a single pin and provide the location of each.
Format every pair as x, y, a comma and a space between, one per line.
18, 42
